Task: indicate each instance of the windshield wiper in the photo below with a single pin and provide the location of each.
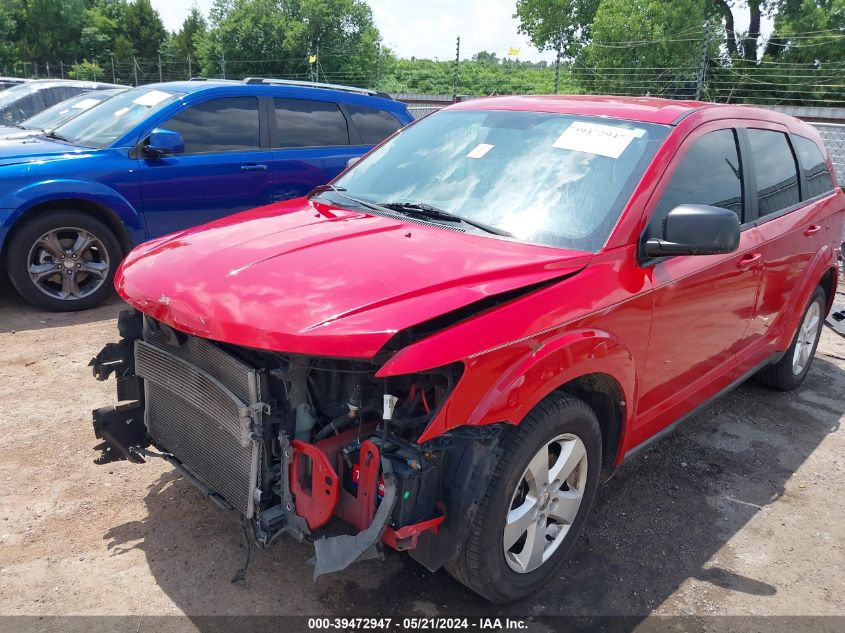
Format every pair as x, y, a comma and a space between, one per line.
423, 210
341, 191
58, 137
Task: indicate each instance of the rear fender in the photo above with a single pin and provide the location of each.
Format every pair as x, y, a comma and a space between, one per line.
824, 260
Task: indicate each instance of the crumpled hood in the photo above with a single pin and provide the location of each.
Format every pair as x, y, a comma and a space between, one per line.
307, 278
36, 149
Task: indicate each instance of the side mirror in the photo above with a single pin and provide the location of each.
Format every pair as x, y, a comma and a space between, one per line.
164, 142
696, 229
352, 161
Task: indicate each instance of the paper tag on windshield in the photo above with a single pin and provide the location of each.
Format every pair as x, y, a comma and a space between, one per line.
151, 98
594, 138
85, 104
480, 150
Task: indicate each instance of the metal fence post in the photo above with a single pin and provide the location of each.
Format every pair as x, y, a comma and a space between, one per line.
457, 70
557, 60
135, 70
702, 68
62, 68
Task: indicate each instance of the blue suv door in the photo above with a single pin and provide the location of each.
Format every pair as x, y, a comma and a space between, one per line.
311, 144
224, 168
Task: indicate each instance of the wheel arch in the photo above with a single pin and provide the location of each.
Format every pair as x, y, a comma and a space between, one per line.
98, 210
591, 364
821, 270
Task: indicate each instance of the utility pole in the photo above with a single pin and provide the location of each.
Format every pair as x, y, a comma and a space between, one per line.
702, 68
113, 75
457, 71
159, 67
135, 70
557, 60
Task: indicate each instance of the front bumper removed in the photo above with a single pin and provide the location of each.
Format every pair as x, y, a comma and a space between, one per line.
308, 491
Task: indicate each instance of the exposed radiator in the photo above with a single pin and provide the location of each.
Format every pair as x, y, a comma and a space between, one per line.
202, 404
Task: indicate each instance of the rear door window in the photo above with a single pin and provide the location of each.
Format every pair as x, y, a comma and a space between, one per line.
774, 171
709, 173
219, 125
816, 175
373, 125
305, 123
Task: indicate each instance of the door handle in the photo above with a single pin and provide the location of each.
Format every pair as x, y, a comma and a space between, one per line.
812, 229
253, 167
746, 261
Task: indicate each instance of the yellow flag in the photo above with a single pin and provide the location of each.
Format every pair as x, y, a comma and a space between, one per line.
312, 59
513, 52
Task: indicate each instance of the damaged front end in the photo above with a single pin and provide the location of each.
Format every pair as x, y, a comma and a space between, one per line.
297, 444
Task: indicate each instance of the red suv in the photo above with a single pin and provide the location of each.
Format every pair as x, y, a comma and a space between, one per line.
448, 347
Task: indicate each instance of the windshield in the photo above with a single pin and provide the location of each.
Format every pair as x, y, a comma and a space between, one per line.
10, 95
552, 179
63, 112
102, 126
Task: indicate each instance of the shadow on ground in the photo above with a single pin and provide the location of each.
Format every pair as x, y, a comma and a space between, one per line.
655, 525
16, 315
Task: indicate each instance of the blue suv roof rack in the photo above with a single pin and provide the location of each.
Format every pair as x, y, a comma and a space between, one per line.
315, 84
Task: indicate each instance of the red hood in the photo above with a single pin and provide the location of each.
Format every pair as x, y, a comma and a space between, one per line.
308, 278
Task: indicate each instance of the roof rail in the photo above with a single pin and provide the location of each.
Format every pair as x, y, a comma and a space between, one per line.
315, 84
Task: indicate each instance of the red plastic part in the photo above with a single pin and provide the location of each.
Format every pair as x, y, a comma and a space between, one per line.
406, 537
315, 498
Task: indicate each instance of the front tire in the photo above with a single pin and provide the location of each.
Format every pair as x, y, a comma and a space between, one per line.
63, 261
792, 368
536, 504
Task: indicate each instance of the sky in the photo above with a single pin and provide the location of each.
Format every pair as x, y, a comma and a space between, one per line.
428, 28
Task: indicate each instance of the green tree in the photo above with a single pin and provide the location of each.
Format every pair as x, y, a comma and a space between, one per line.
49, 29
556, 23
185, 42
485, 57
144, 28
644, 46
276, 37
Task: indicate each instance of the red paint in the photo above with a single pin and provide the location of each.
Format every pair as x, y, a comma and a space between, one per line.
316, 491
405, 538
312, 279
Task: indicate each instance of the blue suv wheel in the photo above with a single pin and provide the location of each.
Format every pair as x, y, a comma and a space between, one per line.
64, 260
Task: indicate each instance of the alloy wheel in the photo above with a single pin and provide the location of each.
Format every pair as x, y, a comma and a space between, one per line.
806, 339
68, 263
545, 503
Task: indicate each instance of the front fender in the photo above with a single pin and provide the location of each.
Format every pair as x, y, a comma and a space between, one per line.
550, 364
504, 385
25, 198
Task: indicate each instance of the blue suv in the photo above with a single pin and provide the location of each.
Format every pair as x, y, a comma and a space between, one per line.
164, 157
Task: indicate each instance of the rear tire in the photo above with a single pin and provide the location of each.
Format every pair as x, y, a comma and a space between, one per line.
792, 368
63, 261
498, 560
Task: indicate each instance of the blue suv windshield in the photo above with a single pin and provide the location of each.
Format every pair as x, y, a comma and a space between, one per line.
100, 127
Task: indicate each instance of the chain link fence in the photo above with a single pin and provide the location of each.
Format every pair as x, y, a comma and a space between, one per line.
833, 135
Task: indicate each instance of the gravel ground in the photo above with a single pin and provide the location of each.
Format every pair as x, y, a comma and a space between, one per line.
738, 513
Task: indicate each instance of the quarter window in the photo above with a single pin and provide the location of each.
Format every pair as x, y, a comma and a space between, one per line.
303, 123
774, 171
219, 125
709, 173
816, 175
373, 125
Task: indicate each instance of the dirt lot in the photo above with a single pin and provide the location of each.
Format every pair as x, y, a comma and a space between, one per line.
740, 512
